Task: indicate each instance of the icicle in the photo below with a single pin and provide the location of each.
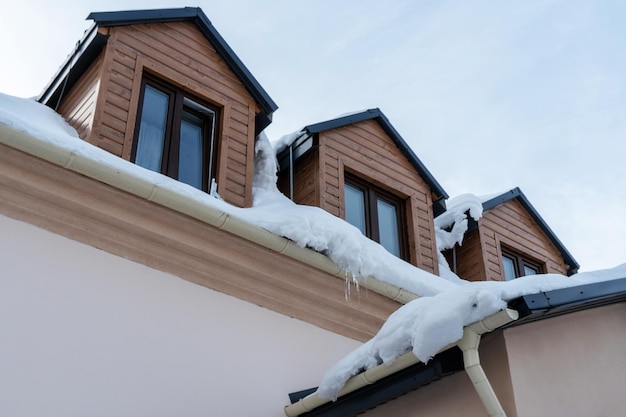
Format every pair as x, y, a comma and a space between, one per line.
357, 282
352, 279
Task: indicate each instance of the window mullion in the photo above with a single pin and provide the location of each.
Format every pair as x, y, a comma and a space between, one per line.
208, 153
373, 214
404, 251
173, 147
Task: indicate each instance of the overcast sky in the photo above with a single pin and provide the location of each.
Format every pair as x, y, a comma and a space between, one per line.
490, 95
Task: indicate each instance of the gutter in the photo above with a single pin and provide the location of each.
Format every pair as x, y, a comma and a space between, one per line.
140, 187
468, 344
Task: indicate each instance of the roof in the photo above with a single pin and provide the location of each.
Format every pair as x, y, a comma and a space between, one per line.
377, 115
92, 43
532, 307
519, 195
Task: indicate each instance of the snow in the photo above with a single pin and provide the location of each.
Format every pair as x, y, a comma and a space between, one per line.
450, 228
287, 140
423, 326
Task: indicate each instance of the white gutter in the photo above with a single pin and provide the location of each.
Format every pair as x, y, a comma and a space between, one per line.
141, 187
468, 344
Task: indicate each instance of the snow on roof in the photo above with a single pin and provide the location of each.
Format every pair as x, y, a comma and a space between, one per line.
423, 326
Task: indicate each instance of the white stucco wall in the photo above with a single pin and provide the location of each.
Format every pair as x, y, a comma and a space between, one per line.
571, 365
87, 333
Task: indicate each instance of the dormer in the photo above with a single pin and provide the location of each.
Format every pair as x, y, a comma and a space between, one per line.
359, 168
162, 89
510, 240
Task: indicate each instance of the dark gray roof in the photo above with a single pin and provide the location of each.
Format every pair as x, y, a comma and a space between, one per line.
571, 263
377, 115
89, 47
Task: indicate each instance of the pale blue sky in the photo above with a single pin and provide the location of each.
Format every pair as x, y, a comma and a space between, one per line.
490, 95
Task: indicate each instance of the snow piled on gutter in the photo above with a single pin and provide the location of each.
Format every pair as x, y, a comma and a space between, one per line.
423, 326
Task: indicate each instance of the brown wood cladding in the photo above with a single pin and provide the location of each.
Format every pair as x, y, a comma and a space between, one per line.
79, 104
365, 150
178, 54
305, 182
96, 214
511, 226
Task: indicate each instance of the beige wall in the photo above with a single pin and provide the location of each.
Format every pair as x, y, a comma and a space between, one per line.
571, 365
88, 333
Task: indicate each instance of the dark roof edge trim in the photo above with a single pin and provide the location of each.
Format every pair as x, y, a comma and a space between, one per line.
553, 303
378, 115
55, 84
517, 193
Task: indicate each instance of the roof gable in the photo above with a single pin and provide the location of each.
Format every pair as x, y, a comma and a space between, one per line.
377, 115
517, 193
91, 44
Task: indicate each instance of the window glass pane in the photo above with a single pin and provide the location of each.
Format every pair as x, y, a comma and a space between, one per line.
509, 268
355, 207
529, 270
152, 129
191, 155
388, 227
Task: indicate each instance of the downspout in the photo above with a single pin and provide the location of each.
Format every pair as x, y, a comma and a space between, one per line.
469, 345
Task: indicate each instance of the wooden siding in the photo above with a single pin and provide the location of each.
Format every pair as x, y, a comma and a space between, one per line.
96, 214
365, 150
180, 55
470, 260
305, 182
511, 226
78, 105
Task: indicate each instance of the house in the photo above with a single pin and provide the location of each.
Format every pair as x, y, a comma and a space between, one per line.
510, 240
133, 282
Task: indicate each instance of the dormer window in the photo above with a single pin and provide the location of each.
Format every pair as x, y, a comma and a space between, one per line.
176, 135
376, 213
